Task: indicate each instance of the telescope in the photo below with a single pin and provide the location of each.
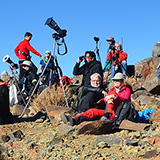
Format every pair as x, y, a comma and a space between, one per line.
52, 24
8, 60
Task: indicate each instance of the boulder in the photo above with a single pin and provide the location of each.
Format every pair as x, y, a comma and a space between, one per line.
152, 84
94, 127
156, 50
146, 67
55, 111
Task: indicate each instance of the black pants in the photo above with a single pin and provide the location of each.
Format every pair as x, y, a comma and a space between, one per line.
88, 101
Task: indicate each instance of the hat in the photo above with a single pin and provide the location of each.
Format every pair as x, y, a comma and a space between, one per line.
27, 63
118, 76
110, 39
48, 52
5, 73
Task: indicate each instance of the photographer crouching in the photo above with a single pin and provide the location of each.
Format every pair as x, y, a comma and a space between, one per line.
27, 83
118, 60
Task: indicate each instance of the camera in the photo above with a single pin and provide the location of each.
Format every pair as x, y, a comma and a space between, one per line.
51, 23
81, 57
96, 39
27, 56
112, 47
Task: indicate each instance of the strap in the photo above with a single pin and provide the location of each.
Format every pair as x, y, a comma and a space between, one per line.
59, 44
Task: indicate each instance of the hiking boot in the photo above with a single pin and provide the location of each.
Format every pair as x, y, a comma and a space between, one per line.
103, 118
67, 119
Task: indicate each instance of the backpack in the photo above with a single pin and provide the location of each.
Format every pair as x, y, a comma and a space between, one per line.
125, 110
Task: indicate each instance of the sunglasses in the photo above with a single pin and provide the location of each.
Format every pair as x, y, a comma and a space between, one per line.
117, 80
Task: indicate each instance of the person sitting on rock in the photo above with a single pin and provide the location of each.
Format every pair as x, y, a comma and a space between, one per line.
118, 60
91, 94
27, 83
119, 93
90, 66
5, 114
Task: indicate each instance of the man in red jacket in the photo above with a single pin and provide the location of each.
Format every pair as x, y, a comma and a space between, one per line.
22, 50
118, 60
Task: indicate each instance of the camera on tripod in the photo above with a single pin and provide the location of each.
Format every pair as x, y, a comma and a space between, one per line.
96, 39
8, 60
51, 23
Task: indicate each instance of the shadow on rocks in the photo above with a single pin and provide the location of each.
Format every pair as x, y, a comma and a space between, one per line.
30, 119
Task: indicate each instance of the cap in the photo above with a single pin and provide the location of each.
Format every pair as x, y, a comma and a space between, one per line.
48, 52
27, 63
118, 76
110, 39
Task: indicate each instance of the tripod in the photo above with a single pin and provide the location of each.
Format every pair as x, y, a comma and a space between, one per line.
52, 57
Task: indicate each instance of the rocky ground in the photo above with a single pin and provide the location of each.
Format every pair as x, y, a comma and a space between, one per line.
45, 136
51, 139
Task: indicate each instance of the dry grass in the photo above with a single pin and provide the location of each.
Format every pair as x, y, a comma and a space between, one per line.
52, 96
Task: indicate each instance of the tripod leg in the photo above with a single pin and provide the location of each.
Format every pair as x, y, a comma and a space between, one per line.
60, 77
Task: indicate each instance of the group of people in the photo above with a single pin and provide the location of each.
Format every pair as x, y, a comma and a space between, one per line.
28, 76
94, 100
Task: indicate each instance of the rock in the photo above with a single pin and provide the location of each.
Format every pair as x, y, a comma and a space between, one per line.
94, 127
152, 84
110, 140
142, 99
131, 142
2, 131
102, 145
138, 93
18, 109
126, 124
150, 154
55, 111
65, 130
156, 50
152, 140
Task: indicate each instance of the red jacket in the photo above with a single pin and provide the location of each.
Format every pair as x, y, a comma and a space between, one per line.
3, 83
25, 47
121, 56
124, 93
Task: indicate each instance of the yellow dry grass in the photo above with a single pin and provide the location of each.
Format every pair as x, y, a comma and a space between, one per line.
52, 96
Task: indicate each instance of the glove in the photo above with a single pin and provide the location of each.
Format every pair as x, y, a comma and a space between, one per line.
24, 94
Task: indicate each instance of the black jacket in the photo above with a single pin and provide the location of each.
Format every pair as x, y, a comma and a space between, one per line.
5, 115
87, 71
28, 81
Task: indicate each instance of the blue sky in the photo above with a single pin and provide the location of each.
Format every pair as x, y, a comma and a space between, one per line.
137, 22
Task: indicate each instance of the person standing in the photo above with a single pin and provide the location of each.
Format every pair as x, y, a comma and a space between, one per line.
118, 60
50, 68
111, 48
23, 49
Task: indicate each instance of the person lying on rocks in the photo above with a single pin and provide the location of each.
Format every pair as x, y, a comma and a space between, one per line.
119, 93
92, 94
